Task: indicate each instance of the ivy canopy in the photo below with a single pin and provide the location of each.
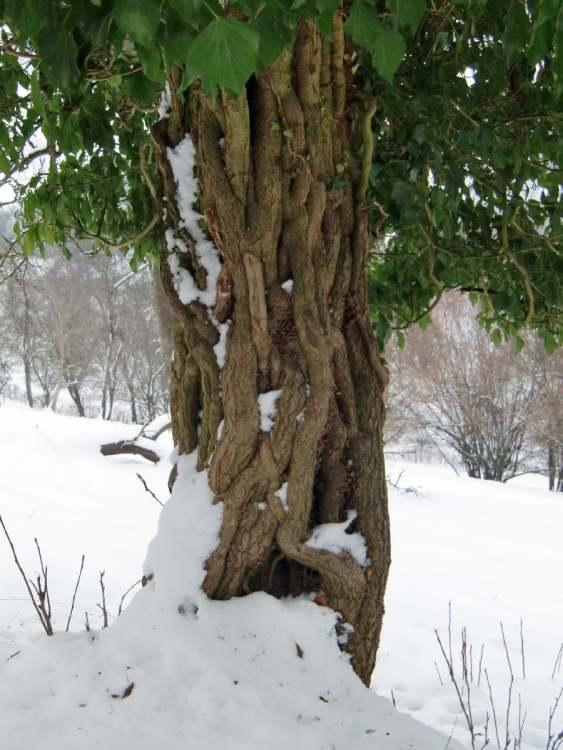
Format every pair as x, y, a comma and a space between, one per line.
465, 185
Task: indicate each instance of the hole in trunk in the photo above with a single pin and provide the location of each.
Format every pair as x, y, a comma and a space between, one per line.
282, 577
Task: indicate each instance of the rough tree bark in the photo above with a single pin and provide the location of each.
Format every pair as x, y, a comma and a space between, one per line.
283, 196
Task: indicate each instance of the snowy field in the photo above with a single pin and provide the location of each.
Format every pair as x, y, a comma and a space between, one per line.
230, 675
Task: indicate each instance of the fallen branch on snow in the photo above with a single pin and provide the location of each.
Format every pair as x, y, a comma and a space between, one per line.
129, 446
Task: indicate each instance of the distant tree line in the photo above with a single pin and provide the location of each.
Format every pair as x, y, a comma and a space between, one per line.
87, 327
97, 330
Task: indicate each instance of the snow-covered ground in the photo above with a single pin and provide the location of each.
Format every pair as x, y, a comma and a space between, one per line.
258, 673
495, 552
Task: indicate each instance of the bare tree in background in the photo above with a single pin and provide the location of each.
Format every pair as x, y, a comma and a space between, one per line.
19, 335
68, 322
547, 428
479, 399
110, 272
145, 356
90, 326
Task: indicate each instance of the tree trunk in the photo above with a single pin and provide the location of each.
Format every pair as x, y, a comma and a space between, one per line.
55, 398
74, 392
551, 465
27, 343
133, 406
283, 199
28, 386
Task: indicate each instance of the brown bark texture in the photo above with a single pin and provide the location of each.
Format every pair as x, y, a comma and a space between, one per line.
282, 196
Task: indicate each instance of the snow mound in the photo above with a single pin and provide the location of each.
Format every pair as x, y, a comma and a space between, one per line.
179, 671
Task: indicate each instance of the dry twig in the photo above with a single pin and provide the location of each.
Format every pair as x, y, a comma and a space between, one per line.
147, 489
103, 606
554, 742
120, 608
558, 659
74, 594
42, 605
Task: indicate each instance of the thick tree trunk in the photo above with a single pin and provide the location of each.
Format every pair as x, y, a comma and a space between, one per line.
283, 199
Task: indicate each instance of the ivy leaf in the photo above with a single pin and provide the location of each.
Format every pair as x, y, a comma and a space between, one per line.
249, 7
70, 137
324, 24
25, 15
408, 12
518, 344
151, 61
558, 50
140, 88
35, 93
138, 19
548, 10
550, 343
540, 42
388, 53
186, 9
177, 45
517, 28
424, 322
4, 163
363, 25
274, 36
224, 54
496, 336
58, 56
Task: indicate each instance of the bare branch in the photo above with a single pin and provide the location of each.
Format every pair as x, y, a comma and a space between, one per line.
103, 606
74, 594
129, 590
127, 446
147, 488
495, 723
40, 612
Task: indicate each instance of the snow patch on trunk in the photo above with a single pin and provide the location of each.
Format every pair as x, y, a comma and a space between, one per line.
182, 162
335, 538
267, 404
165, 105
287, 286
281, 494
220, 347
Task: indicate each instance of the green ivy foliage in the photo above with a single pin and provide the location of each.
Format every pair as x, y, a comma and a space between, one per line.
465, 188
467, 171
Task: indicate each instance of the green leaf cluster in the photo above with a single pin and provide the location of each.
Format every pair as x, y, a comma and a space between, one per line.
465, 186
466, 177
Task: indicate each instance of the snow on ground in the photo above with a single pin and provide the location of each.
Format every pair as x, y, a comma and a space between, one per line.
175, 669
207, 674
55, 485
494, 551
